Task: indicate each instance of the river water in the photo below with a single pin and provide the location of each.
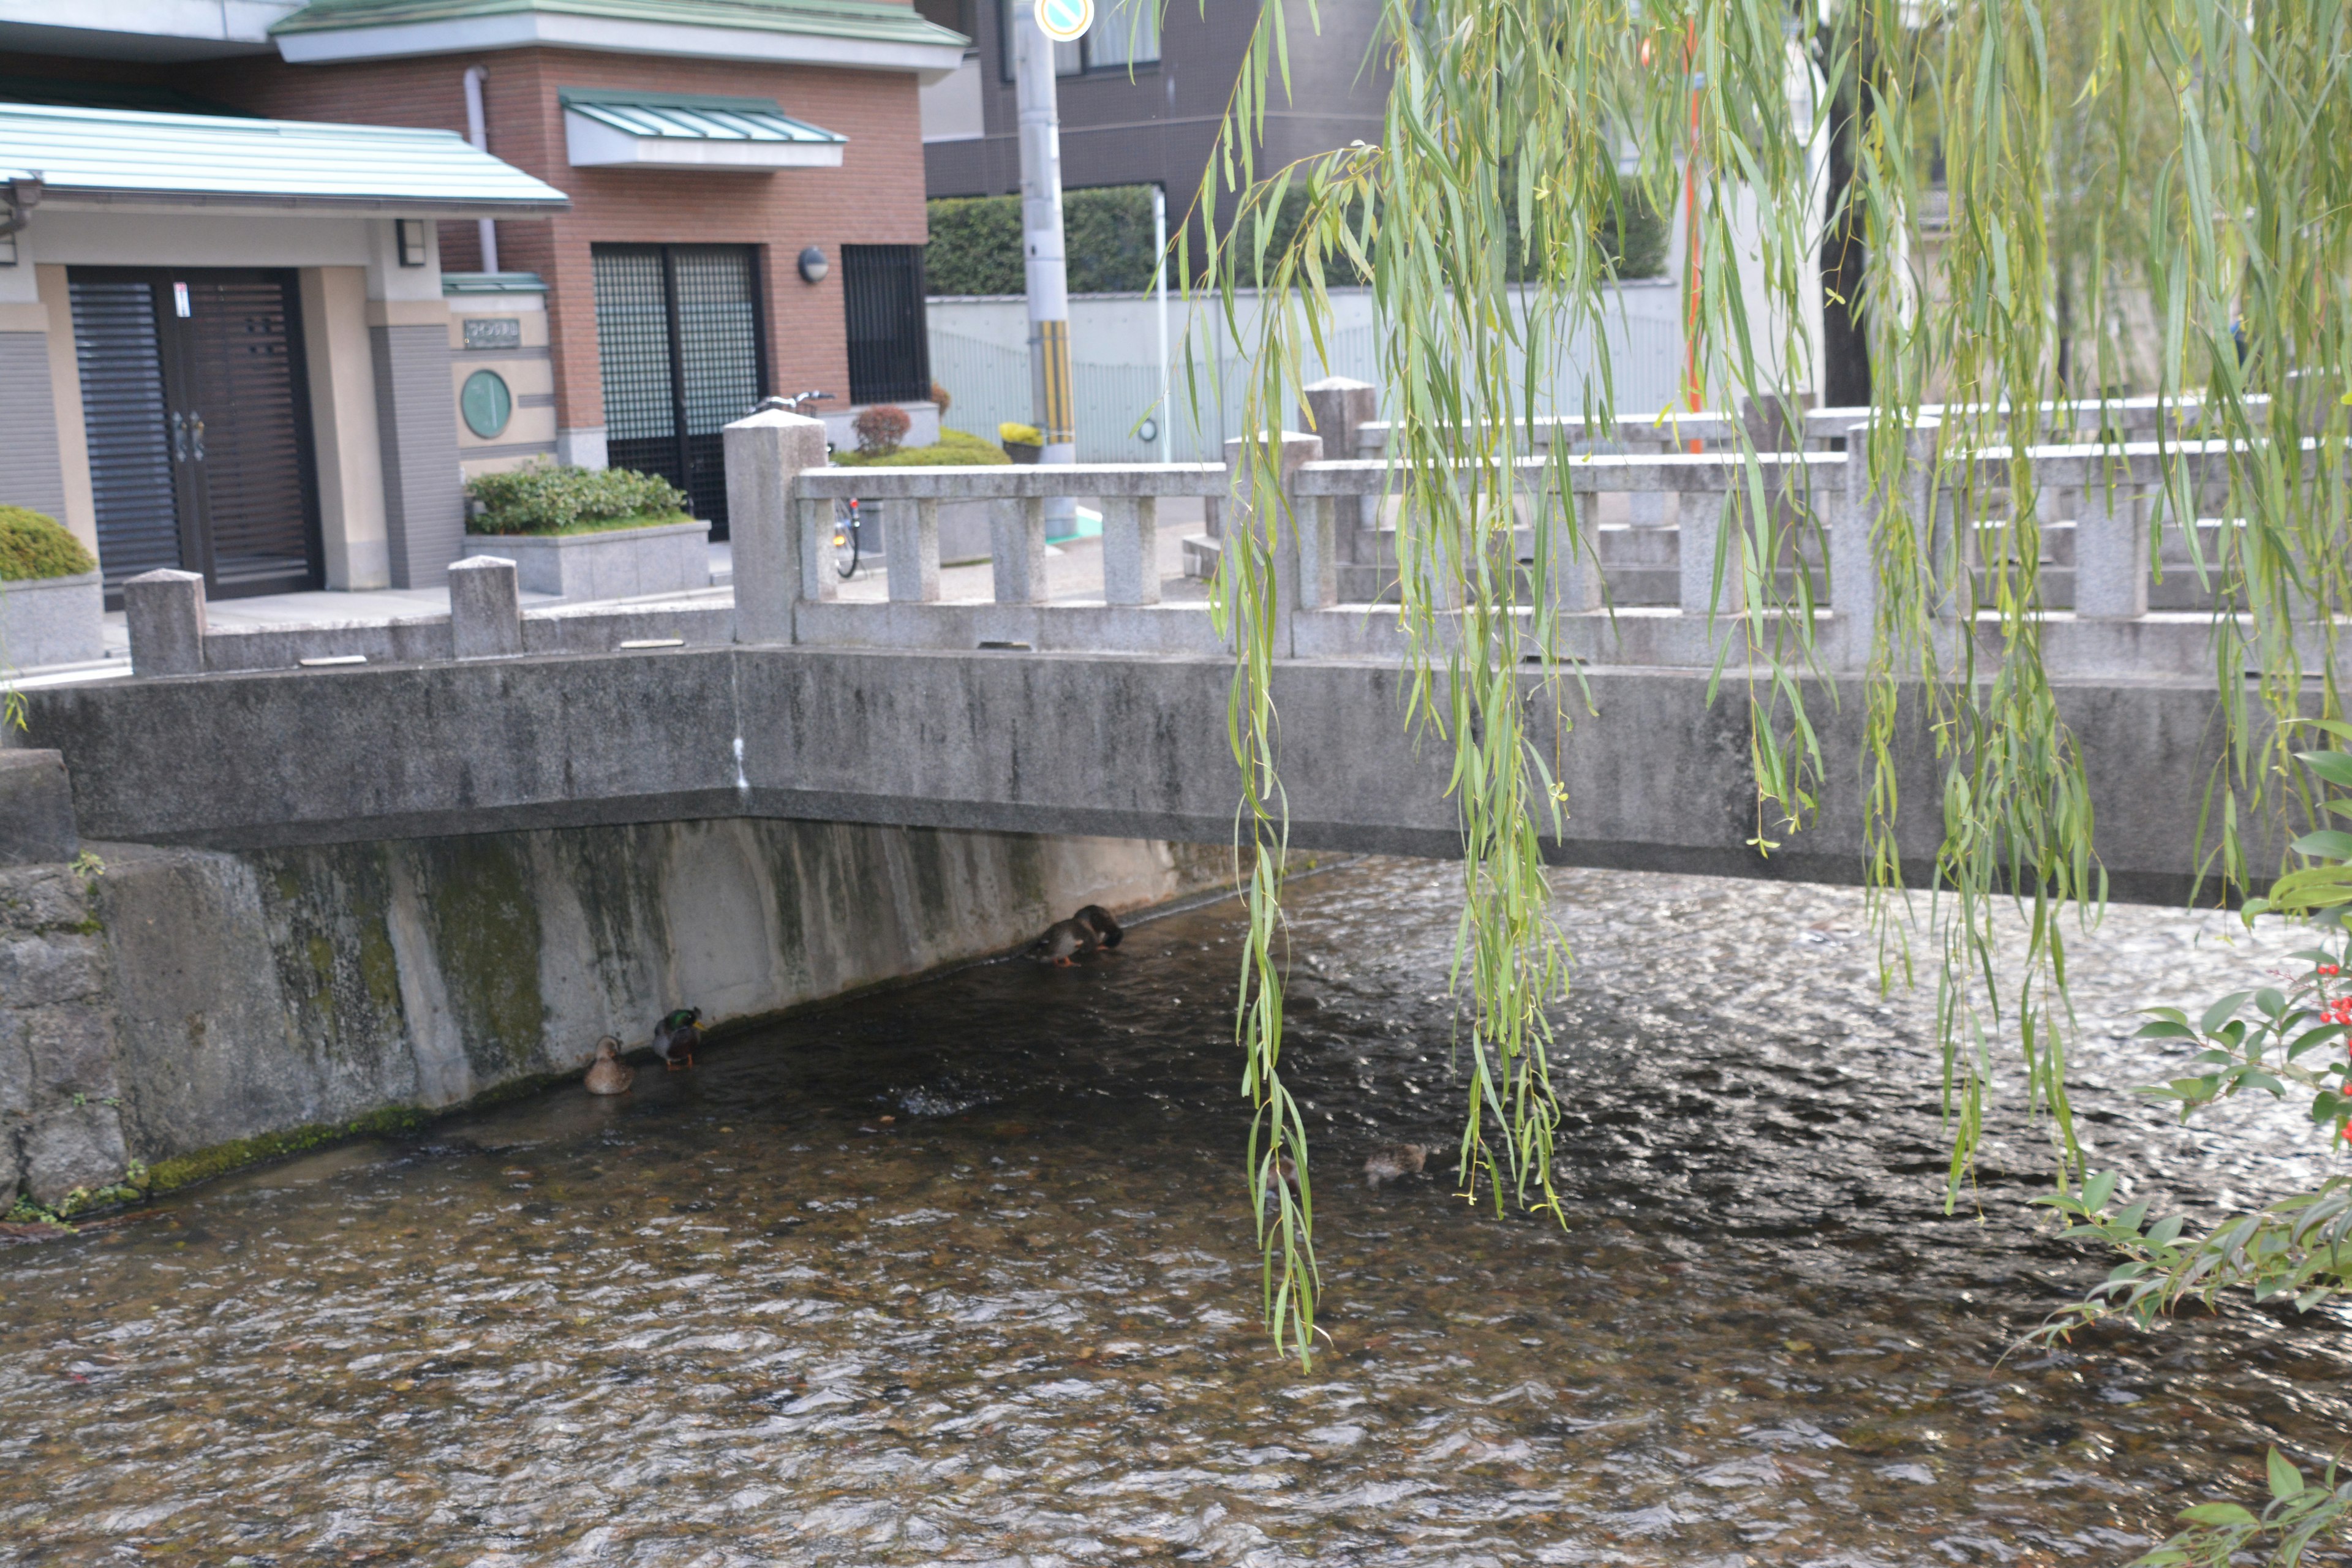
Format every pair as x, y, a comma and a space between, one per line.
964, 1272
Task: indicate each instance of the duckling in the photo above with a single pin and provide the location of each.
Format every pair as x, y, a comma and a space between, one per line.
1063, 940
676, 1037
1389, 1160
608, 1074
1097, 918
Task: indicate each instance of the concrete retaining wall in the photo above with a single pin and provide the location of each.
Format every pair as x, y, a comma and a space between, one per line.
191, 1009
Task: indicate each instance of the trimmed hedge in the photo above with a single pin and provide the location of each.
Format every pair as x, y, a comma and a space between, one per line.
34, 545
975, 244
956, 449
542, 499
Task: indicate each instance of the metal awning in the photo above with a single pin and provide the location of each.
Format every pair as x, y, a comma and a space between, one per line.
613, 128
114, 157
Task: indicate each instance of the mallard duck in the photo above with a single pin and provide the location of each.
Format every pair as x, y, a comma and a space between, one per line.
1389, 1160
1063, 940
1096, 919
676, 1037
608, 1074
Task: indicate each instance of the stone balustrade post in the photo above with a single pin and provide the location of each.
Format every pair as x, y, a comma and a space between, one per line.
1853, 567
1275, 515
165, 614
765, 453
1016, 549
485, 608
911, 545
2110, 539
1573, 566
1337, 408
1702, 527
1131, 546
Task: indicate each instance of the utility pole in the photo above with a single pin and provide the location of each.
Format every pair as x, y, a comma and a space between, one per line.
1042, 250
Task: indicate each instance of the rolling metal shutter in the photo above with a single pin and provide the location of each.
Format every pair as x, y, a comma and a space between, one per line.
126, 422
245, 378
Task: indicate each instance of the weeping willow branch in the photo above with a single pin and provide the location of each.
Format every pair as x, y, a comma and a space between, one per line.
2052, 199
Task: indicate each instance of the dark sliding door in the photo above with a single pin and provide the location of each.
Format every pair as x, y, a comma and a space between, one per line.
197, 416
679, 343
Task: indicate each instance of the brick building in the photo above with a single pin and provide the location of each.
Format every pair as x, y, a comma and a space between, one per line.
673, 208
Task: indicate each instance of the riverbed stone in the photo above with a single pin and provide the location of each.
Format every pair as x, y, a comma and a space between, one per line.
74, 1146
37, 813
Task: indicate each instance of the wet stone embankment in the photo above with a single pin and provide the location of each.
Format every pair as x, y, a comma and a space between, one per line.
965, 1272
170, 1014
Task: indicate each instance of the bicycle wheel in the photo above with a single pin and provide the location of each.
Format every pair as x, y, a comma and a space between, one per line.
844, 538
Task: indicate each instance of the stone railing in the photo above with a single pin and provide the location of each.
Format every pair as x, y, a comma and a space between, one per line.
1636, 582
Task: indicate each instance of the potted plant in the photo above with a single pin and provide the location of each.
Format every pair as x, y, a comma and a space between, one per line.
52, 601
1022, 443
589, 534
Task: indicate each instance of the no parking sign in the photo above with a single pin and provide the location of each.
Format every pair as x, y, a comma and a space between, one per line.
1064, 21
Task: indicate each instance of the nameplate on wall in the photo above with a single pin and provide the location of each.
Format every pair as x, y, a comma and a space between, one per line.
493, 331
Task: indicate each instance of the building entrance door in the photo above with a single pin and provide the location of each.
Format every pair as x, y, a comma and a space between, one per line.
679, 343
197, 416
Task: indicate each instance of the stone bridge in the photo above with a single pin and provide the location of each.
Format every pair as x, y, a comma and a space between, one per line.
1108, 715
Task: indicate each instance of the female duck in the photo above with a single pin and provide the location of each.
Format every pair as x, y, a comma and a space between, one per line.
608, 1074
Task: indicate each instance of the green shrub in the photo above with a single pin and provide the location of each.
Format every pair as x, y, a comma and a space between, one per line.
975, 244
956, 450
542, 499
32, 546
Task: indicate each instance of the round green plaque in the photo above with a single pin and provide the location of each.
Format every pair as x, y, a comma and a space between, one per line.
486, 403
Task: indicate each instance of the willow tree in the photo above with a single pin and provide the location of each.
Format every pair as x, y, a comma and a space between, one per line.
2009, 202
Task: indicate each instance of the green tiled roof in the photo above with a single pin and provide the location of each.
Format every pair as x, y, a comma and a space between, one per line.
864, 19
126, 155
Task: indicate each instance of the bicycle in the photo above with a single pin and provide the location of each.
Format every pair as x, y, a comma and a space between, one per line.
846, 542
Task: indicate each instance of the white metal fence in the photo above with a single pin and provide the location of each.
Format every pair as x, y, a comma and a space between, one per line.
1118, 398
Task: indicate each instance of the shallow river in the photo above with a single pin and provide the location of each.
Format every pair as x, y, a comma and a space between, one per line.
964, 1272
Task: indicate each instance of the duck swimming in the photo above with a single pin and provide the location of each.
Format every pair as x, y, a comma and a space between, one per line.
1390, 1160
676, 1037
1063, 940
608, 1074
1096, 919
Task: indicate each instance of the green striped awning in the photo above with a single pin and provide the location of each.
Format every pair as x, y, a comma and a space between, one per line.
607, 128
115, 156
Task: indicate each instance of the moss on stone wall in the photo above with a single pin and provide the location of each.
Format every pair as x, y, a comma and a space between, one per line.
186, 1170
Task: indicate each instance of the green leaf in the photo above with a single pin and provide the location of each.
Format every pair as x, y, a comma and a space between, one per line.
2218, 1012
2164, 1031
2219, 1513
2329, 843
2336, 767
2287, 1481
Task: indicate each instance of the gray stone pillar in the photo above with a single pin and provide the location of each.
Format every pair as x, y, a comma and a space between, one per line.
1017, 550
1336, 409
165, 614
1130, 550
766, 452
2111, 563
37, 814
417, 429
485, 608
1574, 567
1270, 512
911, 545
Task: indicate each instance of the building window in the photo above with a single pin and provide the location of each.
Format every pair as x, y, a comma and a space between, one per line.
1126, 35
889, 346
679, 341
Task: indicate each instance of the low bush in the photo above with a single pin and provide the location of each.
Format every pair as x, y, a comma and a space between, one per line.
975, 244
542, 499
1015, 435
880, 428
34, 545
956, 449
939, 395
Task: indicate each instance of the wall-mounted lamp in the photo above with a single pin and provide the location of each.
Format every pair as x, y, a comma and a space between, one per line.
813, 265
410, 233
